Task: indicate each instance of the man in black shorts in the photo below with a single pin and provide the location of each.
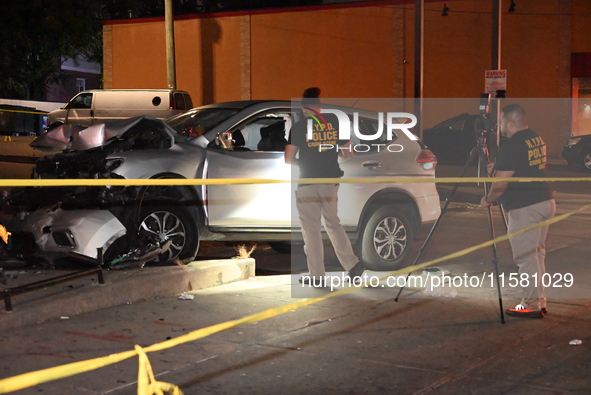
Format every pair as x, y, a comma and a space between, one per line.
316, 201
524, 155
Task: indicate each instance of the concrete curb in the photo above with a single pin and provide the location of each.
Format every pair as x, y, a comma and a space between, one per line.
122, 287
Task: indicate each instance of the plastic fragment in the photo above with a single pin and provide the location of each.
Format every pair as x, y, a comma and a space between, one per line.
444, 291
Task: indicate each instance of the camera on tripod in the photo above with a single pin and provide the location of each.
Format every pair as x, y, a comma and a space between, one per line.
483, 124
484, 106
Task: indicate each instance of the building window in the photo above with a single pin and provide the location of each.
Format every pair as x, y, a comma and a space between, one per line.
80, 84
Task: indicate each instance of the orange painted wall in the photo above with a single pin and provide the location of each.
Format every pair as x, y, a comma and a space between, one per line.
208, 58
531, 49
139, 57
535, 52
352, 51
457, 48
347, 52
581, 26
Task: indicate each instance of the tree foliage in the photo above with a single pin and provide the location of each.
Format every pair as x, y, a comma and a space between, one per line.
34, 37
37, 35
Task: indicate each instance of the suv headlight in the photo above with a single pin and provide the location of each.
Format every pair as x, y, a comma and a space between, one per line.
573, 141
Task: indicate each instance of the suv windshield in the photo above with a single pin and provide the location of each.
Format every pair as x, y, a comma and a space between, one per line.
194, 123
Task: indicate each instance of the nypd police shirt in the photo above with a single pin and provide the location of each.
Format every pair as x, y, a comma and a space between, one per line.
525, 154
318, 155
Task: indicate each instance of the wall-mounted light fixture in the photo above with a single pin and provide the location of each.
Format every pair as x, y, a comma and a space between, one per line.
512, 6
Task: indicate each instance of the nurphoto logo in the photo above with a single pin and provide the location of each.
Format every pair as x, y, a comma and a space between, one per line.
327, 136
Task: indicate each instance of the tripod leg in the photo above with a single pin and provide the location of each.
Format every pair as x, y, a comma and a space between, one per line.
496, 263
504, 216
484, 158
473, 155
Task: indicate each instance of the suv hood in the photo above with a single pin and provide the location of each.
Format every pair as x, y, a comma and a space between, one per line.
148, 129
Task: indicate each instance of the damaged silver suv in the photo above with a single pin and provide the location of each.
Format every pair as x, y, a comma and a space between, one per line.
167, 222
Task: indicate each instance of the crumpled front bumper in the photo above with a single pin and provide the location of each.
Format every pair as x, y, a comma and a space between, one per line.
79, 232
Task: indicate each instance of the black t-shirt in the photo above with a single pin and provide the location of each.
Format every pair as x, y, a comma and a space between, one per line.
525, 154
318, 156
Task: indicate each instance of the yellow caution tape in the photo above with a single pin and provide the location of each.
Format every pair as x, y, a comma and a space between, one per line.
246, 181
146, 382
34, 378
4, 234
24, 112
496, 240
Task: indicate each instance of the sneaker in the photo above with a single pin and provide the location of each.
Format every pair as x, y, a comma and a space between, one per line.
522, 312
314, 282
356, 271
544, 310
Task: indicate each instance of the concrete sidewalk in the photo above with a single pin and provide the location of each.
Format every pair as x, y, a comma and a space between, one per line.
363, 343
347, 345
121, 287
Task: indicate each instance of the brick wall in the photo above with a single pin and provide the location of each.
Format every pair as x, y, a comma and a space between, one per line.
354, 51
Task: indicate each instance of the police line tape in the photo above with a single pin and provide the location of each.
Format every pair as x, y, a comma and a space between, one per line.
31, 379
25, 112
247, 181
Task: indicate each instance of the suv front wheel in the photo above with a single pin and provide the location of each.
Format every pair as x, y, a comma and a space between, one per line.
162, 220
386, 238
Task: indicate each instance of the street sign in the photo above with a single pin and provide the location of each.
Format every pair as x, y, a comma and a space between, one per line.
495, 80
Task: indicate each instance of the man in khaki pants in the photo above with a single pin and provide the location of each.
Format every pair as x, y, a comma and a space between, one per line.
524, 155
316, 201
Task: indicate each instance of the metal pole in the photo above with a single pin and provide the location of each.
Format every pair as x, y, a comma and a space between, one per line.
170, 54
496, 60
418, 71
496, 65
496, 35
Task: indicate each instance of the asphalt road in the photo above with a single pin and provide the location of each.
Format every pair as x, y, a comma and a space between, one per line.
362, 343
365, 343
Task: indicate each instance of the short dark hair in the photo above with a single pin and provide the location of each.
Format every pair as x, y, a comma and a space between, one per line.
513, 108
515, 113
311, 96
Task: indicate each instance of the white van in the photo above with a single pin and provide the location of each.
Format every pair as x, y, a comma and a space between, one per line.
100, 105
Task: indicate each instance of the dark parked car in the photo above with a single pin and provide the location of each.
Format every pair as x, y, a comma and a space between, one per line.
452, 140
577, 151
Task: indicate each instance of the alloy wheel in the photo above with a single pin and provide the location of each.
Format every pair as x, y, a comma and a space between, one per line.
161, 226
390, 238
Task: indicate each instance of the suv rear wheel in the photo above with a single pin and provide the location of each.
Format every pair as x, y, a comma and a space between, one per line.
386, 238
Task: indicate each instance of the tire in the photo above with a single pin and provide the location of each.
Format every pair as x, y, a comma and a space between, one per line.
386, 238
283, 247
161, 220
586, 161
